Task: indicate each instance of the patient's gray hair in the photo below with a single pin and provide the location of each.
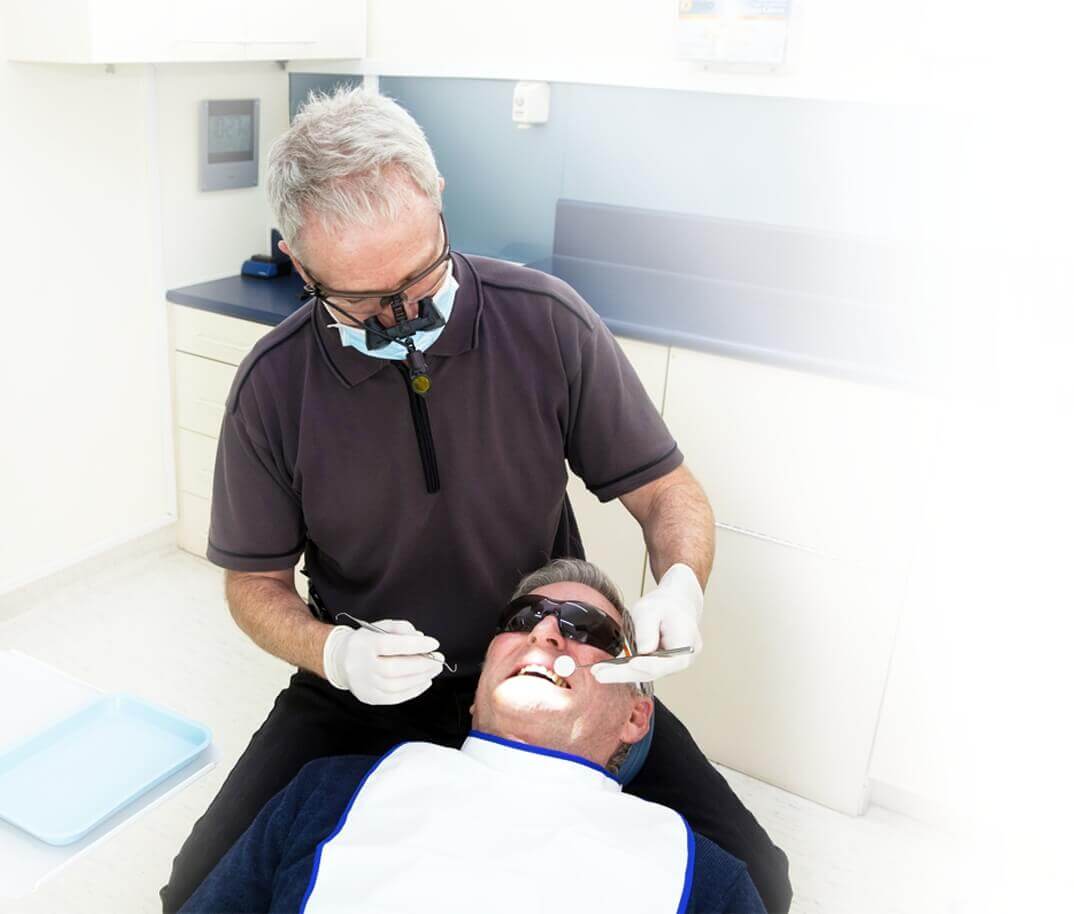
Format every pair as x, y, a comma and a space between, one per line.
351, 157
579, 571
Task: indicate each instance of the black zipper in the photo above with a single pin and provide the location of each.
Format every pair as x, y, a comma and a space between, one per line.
419, 412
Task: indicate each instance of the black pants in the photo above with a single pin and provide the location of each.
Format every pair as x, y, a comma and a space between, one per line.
311, 719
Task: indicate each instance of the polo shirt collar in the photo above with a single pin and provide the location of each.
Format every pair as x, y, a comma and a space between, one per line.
352, 367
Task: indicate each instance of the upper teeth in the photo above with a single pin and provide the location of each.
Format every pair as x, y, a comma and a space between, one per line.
542, 671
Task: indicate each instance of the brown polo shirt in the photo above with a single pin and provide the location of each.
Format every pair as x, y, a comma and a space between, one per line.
432, 510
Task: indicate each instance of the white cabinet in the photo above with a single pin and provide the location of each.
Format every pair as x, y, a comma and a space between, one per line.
201, 387
208, 348
196, 462
193, 529
144, 31
818, 462
789, 685
612, 538
816, 485
213, 336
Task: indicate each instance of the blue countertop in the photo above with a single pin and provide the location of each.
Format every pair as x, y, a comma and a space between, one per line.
264, 301
797, 330
813, 301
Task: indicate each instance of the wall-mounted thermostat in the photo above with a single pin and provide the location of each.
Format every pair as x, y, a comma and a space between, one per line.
530, 103
228, 143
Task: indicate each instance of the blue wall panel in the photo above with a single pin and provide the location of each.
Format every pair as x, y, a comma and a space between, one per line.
502, 182
300, 85
811, 164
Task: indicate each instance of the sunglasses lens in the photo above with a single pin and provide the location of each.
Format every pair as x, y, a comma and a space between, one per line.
577, 621
591, 626
524, 620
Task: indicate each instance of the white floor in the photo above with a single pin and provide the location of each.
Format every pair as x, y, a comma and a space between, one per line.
157, 625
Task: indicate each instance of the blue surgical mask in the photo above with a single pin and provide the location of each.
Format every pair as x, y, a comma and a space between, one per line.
444, 300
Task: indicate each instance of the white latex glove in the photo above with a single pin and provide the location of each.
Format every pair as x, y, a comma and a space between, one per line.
381, 669
664, 618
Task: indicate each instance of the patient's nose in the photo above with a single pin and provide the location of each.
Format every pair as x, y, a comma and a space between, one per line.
547, 632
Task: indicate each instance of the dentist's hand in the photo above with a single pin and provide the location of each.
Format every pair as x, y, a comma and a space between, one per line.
380, 669
664, 618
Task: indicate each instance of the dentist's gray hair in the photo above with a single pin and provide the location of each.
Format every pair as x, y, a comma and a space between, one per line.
349, 158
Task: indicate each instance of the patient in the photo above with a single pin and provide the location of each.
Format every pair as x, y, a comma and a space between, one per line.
526, 816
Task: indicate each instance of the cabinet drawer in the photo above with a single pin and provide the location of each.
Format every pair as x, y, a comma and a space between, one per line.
195, 463
201, 389
214, 336
829, 464
192, 533
789, 684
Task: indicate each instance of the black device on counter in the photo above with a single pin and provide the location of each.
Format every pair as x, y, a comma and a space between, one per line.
282, 261
269, 266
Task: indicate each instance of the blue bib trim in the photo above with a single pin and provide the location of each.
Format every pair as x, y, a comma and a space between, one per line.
688, 879
540, 750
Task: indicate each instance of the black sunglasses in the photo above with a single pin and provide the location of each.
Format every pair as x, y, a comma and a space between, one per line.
577, 621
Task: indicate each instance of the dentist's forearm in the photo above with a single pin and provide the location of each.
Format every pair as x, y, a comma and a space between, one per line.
677, 521
269, 610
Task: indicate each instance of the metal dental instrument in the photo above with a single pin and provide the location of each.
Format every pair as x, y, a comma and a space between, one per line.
571, 667
369, 626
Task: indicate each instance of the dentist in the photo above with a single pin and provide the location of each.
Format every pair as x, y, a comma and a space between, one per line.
405, 434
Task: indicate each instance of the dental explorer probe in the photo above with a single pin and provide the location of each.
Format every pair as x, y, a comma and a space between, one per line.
451, 668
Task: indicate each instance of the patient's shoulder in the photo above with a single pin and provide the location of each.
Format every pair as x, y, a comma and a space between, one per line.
312, 804
329, 782
721, 882
336, 771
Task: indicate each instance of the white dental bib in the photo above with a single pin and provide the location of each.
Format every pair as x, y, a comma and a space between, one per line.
499, 826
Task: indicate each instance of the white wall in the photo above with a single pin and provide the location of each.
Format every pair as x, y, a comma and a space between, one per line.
208, 235
82, 356
102, 214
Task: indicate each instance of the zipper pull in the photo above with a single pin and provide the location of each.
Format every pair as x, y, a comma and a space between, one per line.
417, 369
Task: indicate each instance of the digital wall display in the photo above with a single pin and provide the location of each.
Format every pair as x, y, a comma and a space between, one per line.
231, 138
228, 143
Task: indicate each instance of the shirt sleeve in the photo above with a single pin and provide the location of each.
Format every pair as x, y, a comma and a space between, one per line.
257, 522
616, 438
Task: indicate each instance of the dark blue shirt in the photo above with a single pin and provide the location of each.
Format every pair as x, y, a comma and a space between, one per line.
269, 868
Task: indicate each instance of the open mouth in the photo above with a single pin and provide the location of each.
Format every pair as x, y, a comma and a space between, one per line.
543, 672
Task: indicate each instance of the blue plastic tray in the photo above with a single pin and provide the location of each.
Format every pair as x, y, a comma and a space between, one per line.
61, 783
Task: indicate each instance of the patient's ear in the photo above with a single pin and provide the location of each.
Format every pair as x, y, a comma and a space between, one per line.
637, 725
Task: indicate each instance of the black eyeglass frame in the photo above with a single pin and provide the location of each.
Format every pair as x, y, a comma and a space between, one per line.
322, 293
610, 636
